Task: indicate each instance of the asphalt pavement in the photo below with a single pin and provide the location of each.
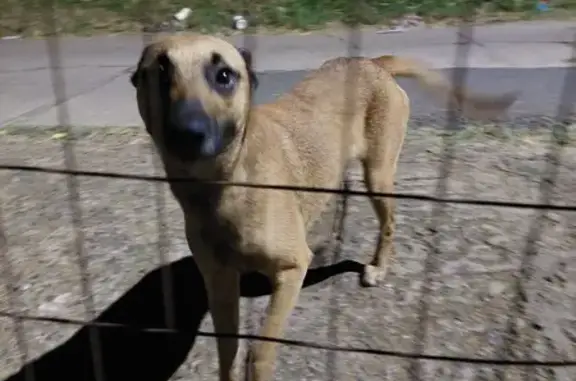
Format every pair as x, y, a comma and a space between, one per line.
113, 103
541, 89
91, 85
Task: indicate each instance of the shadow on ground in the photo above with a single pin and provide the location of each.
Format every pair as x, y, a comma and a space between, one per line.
137, 355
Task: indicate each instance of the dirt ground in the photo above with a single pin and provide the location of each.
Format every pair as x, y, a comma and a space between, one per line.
476, 252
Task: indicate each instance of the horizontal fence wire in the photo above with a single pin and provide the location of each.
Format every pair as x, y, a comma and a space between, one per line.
297, 343
335, 191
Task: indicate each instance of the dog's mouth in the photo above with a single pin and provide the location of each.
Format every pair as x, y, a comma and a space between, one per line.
191, 134
188, 145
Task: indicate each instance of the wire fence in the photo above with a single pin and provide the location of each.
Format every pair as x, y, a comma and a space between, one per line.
94, 324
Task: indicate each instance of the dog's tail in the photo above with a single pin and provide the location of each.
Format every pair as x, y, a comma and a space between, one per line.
471, 105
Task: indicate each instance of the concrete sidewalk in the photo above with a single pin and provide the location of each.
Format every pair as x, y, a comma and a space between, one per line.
95, 70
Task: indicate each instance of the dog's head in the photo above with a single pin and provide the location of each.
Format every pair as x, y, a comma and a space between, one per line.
194, 94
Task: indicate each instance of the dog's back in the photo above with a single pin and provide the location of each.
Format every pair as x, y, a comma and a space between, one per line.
317, 128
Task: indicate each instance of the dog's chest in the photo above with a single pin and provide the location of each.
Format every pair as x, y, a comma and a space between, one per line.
232, 226
244, 228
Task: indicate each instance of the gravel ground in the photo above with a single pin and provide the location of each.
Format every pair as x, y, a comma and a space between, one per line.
476, 252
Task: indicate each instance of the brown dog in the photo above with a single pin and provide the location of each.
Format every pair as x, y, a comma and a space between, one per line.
194, 95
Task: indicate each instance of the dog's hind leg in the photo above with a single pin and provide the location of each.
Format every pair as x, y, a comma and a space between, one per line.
381, 179
386, 127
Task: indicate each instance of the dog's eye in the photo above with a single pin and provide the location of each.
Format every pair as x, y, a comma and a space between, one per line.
225, 78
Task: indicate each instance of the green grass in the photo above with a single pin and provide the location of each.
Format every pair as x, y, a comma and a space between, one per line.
38, 17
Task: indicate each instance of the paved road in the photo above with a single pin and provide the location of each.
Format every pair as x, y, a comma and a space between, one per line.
95, 70
112, 104
541, 88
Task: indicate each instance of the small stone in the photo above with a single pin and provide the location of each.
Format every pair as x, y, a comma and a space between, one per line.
555, 217
56, 305
536, 326
496, 288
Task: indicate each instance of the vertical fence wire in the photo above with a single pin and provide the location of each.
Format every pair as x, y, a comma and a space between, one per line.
353, 49
162, 247
459, 72
12, 294
11, 284
526, 271
249, 42
146, 17
162, 240
338, 228
63, 119
565, 113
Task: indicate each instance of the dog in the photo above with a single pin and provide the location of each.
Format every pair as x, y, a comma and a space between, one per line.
194, 94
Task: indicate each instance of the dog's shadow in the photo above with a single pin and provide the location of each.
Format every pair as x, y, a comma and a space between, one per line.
151, 356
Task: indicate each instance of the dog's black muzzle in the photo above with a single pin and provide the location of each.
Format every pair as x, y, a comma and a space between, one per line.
192, 133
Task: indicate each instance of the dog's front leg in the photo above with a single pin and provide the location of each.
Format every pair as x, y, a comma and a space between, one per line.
223, 291
287, 283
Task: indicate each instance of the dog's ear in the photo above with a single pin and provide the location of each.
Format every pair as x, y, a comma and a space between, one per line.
247, 55
136, 76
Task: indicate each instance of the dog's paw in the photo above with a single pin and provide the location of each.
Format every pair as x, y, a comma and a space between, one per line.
373, 275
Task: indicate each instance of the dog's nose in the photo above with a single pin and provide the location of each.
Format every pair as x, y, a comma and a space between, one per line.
193, 129
191, 117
